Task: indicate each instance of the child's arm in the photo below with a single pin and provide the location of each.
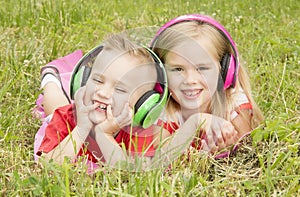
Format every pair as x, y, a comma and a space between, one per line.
105, 131
219, 134
223, 134
242, 121
68, 147
169, 149
71, 144
241, 115
113, 153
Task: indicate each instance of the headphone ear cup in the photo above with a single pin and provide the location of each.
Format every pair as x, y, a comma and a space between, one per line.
83, 69
143, 106
85, 75
80, 78
228, 70
76, 82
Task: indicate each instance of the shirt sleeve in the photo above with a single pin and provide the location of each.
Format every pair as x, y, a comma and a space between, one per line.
59, 127
240, 102
137, 142
169, 126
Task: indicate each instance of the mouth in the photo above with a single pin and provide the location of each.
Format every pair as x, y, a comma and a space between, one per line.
192, 93
100, 106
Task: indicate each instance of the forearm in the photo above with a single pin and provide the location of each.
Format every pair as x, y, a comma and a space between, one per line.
115, 156
242, 122
180, 141
68, 147
110, 149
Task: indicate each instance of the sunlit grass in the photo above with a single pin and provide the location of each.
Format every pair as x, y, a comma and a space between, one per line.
35, 32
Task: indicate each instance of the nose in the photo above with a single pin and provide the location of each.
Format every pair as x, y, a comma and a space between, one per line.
191, 76
104, 92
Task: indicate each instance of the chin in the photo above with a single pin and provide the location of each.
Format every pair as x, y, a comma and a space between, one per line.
96, 118
197, 108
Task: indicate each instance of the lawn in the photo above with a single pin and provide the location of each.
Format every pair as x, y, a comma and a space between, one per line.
34, 32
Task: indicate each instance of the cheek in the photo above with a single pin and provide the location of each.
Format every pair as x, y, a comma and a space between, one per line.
86, 98
90, 90
118, 103
212, 81
174, 81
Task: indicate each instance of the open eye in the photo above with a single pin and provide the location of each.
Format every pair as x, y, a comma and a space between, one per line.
176, 69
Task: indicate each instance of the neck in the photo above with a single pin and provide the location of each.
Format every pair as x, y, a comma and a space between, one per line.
186, 113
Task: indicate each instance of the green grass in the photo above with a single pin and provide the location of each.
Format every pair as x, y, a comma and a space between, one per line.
34, 32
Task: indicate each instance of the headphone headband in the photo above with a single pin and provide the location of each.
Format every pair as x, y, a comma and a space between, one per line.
198, 17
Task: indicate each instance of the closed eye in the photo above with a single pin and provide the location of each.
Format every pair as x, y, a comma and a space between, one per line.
201, 68
98, 80
121, 90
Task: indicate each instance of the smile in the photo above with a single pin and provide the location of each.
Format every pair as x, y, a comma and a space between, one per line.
101, 106
192, 93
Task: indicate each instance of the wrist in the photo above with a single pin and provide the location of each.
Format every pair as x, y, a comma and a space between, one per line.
103, 137
109, 130
82, 133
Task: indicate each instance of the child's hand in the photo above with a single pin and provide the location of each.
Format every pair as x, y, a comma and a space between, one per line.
113, 124
219, 134
82, 111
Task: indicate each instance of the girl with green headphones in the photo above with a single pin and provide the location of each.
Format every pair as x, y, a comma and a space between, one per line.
111, 85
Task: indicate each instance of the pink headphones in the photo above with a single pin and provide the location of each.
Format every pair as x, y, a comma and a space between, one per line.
229, 62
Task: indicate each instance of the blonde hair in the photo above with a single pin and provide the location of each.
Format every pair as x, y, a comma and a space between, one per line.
120, 43
179, 33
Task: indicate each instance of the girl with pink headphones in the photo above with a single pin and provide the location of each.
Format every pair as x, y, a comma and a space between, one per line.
206, 78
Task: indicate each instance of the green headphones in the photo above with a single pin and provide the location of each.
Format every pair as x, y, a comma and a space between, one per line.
148, 107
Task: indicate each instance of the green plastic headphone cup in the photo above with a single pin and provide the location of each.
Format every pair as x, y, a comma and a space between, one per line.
145, 108
76, 82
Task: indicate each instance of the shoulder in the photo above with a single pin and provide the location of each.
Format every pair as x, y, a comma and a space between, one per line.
239, 97
65, 115
67, 109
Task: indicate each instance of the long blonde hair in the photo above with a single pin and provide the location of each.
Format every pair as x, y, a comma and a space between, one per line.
179, 33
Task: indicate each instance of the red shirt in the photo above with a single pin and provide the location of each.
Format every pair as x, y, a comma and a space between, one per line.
173, 126
63, 123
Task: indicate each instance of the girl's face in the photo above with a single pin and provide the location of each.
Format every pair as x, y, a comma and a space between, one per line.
117, 79
192, 70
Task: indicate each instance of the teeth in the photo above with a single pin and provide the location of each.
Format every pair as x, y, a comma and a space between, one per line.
102, 106
191, 93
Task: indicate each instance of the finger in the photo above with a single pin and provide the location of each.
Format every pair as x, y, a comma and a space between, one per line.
125, 117
126, 113
228, 130
219, 139
204, 146
80, 93
109, 113
78, 98
210, 141
229, 133
91, 107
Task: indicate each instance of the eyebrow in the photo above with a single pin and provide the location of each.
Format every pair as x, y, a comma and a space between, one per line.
194, 65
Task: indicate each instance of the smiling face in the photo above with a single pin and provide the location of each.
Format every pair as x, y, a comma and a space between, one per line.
192, 70
116, 79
